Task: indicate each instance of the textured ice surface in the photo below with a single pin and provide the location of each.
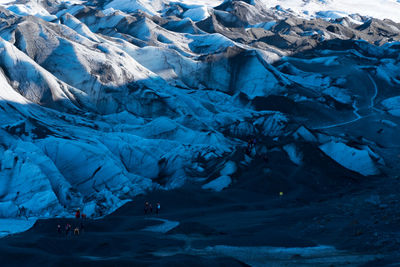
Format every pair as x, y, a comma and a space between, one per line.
353, 159
219, 183
99, 104
164, 227
11, 226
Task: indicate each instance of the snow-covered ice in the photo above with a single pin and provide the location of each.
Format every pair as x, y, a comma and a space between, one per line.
12, 226
229, 168
392, 105
219, 183
100, 104
165, 227
351, 158
295, 156
332, 9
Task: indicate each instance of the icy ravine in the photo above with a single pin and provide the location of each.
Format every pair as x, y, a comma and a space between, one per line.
99, 103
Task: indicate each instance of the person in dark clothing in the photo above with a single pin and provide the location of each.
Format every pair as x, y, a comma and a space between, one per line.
67, 229
250, 145
158, 207
150, 208
146, 207
82, 227
59, 229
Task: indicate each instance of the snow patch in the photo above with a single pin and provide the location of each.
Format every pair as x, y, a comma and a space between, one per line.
350, 158
333, 9
303, 133
31, 9
229, 169
295, 156
218, 184
12, 226
392, 105
165, 227
197, 14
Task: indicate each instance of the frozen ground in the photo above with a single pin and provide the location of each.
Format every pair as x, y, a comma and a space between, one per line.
233, 227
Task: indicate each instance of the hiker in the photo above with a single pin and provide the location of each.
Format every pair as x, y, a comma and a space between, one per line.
253, 143
150, 208
76, 231
250, 145
158, 207
78, 213
82, 227
59, 229
67, 229
247, 150
146, 207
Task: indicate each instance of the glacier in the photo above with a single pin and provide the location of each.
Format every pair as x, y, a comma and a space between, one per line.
101, 103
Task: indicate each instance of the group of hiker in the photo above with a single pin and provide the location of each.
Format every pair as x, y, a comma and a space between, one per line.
78, 214
69, 231
148, 208
81, 217
78, 229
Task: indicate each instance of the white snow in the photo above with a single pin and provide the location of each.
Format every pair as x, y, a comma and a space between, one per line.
295, 156
392, 105
197, 14
34, 8
155, 6
351, 158
194, 3
31, 8
305, 134
142, 127
339, 94
332, 9
134, 5
229, 168
389, 123
12, 226
165, 227
265, 25
328, 9
219, 183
